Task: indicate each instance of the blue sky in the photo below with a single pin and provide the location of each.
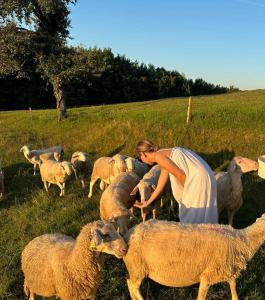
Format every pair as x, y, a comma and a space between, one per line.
221, 41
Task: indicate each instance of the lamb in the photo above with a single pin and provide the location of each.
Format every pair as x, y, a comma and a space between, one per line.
2, 186
229, 185
178, 255
116, 201
106, 169
56, 173
134, 165
80, 161
33, 156
146, 186
58, 265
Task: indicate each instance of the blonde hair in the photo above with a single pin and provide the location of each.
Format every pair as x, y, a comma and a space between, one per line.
146, 146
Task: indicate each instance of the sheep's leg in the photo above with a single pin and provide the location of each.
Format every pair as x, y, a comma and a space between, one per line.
45, 185
161, 202
34, 167
154, 213
92, 182
230, 214
76, 177
143, 214
131, 210
83, 183
134, 289
203, 289
232, 284
61, 188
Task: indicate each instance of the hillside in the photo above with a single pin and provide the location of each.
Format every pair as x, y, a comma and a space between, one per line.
223, 126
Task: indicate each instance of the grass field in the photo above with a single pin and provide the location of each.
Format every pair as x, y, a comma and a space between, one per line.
223, 126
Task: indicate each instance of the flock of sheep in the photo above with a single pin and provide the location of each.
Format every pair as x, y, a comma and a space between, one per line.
170, 253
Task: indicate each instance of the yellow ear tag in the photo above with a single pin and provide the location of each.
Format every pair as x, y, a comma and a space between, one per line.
93, 245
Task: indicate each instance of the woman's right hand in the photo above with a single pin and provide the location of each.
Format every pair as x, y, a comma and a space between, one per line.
141, 204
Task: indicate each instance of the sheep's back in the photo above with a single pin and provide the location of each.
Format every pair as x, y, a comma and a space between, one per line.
177, 255
51, 171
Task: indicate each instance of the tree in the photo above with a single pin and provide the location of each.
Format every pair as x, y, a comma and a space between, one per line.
25, 51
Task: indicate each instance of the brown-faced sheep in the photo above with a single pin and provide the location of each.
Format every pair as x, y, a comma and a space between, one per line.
116, 201
80, 161
178, 255
229, 185
106, 169
58, 265
33, 156
55, 172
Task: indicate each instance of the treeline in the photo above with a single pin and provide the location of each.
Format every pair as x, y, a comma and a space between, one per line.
110, 79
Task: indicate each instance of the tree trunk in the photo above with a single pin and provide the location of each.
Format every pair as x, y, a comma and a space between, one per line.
60, 97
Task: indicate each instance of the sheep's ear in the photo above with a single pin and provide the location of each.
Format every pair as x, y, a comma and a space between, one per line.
134, 191
111, 161
96, 240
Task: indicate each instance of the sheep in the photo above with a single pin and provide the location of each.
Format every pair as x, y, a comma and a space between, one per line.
80, 162
58, 265
134, 165
178, 255
116, 201
2, 186
56, 173
229, 185
33, 156
106, 169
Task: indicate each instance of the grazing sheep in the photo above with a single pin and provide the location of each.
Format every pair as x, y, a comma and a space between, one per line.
56, 173
58, 265
106, 169
33, 156
178, 255
134, 165
2, 186
229, 185
80, 162
116, 201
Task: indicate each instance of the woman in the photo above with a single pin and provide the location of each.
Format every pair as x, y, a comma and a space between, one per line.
192, 181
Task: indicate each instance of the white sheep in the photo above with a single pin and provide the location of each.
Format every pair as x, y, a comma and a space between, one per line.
146, 186
134, 165
178, 255
58, 265
33, 156
2, 186
55, 172
116, 200
80, 161
106, 169
229, 185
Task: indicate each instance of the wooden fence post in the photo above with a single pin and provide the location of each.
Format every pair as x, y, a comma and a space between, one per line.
189, 113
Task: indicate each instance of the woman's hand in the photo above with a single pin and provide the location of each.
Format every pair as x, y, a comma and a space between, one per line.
141, 204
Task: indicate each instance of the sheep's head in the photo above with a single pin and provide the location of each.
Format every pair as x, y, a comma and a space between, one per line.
120, 162
24, 149
67, 167
244, 164
145, 189
106, 239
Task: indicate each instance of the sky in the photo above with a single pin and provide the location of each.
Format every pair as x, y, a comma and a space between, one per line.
221, 41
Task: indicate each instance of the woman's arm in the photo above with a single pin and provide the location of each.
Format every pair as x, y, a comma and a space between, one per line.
167, 164
162, 181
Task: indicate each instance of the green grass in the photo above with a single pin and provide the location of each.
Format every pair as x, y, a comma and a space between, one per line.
223, 126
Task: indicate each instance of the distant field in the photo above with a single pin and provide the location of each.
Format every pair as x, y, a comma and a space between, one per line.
223, 126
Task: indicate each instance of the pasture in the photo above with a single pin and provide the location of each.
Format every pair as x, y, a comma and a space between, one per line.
223, 126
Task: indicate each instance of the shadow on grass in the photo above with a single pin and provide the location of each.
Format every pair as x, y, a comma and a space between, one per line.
218, 160
19, 184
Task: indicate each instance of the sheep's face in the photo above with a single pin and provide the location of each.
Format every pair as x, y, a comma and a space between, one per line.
25, 149
120, 163
245, 164
144, 189
68, 168
107, 239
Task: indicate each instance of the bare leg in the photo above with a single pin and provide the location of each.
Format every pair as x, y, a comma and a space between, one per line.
203, 289
232, 284
134, 289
